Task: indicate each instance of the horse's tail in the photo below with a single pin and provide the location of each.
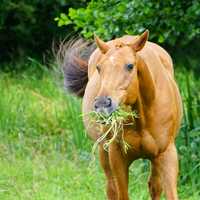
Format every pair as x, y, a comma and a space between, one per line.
74, 56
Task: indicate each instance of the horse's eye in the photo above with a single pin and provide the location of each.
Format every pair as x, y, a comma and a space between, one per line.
98, 68
129, 66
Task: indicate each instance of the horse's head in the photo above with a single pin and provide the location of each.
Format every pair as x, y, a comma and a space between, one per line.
118, 73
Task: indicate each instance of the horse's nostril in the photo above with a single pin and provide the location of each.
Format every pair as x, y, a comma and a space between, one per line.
109, 102
102, 102
95, 106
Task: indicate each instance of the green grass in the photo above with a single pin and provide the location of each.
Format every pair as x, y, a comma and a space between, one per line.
38, 175
45, 154
115, 122
33, 105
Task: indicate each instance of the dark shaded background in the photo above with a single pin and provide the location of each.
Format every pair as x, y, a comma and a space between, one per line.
28, 28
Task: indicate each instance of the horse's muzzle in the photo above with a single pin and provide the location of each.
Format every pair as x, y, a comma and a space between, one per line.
104, 105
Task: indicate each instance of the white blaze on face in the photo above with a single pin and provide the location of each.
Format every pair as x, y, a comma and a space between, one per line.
112, 59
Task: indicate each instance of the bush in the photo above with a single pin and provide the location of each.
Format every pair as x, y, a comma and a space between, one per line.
28, 26
172, 22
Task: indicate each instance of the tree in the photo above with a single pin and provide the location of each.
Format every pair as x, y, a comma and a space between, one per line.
173, 22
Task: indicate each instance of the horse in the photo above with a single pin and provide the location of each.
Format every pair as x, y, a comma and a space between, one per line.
131, 71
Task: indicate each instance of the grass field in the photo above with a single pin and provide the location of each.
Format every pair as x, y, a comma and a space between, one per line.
45, 154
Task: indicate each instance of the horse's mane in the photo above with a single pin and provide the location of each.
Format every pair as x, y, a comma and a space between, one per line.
73, 56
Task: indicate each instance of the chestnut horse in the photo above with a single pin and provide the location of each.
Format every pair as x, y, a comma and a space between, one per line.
130, 71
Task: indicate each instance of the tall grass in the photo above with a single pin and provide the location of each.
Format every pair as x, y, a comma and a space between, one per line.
44, 152
188, 141
33, 105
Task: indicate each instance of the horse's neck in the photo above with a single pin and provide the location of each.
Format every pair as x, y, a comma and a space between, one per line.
147, 91
146, 82
141, 119
145, 112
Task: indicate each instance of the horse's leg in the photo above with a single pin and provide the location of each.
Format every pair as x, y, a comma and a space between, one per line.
104, 161
166, 165
119, 168
155, 186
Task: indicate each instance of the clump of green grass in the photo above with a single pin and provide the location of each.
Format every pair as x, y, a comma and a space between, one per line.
112, 126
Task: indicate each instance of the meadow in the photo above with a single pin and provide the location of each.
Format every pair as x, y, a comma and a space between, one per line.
46, 155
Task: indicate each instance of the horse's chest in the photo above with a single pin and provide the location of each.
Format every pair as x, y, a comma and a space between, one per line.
141, 144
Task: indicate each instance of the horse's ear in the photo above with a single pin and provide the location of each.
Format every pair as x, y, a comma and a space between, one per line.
101, 44
140, 41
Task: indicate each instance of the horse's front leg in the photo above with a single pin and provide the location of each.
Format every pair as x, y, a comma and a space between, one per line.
104, 161
119, 168
169, 172
164, 174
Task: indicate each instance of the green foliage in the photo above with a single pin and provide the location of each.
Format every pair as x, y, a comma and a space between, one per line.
28, 26
170, 22
188, 141
63, 19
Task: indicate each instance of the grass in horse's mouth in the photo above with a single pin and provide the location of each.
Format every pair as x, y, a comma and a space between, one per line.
114, 126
